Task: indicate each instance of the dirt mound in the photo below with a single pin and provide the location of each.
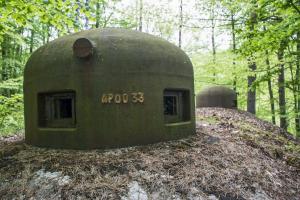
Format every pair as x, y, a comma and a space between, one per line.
233, 156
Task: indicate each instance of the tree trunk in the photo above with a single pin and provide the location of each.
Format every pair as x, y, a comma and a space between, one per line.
31, 42
141, 16
251, 96
77, 15
295, 96
281, 89
18, 54
97, 14
271, 95
297, 118
213, 43
180, 24
87, 7
4, 56
233, 50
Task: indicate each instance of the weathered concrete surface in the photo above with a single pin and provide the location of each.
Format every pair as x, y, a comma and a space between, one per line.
217, 96
123, 61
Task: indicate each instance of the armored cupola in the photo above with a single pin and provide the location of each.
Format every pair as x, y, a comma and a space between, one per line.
217, 96
105, 88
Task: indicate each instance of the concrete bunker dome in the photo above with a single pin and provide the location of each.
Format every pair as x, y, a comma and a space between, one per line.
105, 88
217, 96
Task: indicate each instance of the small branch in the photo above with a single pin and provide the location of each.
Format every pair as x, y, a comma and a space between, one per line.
294, 6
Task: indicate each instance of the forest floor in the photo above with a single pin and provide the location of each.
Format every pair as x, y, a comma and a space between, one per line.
233, 156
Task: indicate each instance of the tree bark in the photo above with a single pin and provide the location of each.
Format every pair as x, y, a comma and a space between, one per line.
77, 15
31, 42
4, 55
18, 50
281, 88
251, 96
141, 16
233, 50
271, 95
97, 14
295, 96
213, 43
297, 118
180, 24
87, 7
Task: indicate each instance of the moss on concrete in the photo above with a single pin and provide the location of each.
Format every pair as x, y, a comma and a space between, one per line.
123, 61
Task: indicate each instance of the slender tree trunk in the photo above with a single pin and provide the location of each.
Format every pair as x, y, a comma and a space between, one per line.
12, 61
87, 7
46, 34
4, 55
271, 95
281, 88
141, 16
43, 34
77, 15
180, 24
297, 118
98, 14
233, 50
213, 43
48, 31
251, 96
136, 16
31, 42
18, 51
295, 96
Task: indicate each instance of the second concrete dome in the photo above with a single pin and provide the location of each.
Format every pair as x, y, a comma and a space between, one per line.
217, 96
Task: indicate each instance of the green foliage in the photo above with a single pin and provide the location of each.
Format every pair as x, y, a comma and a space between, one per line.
11, 114
11, 106
15, 85
224, 70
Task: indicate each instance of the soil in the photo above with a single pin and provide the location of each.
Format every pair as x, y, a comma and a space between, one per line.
232, 156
